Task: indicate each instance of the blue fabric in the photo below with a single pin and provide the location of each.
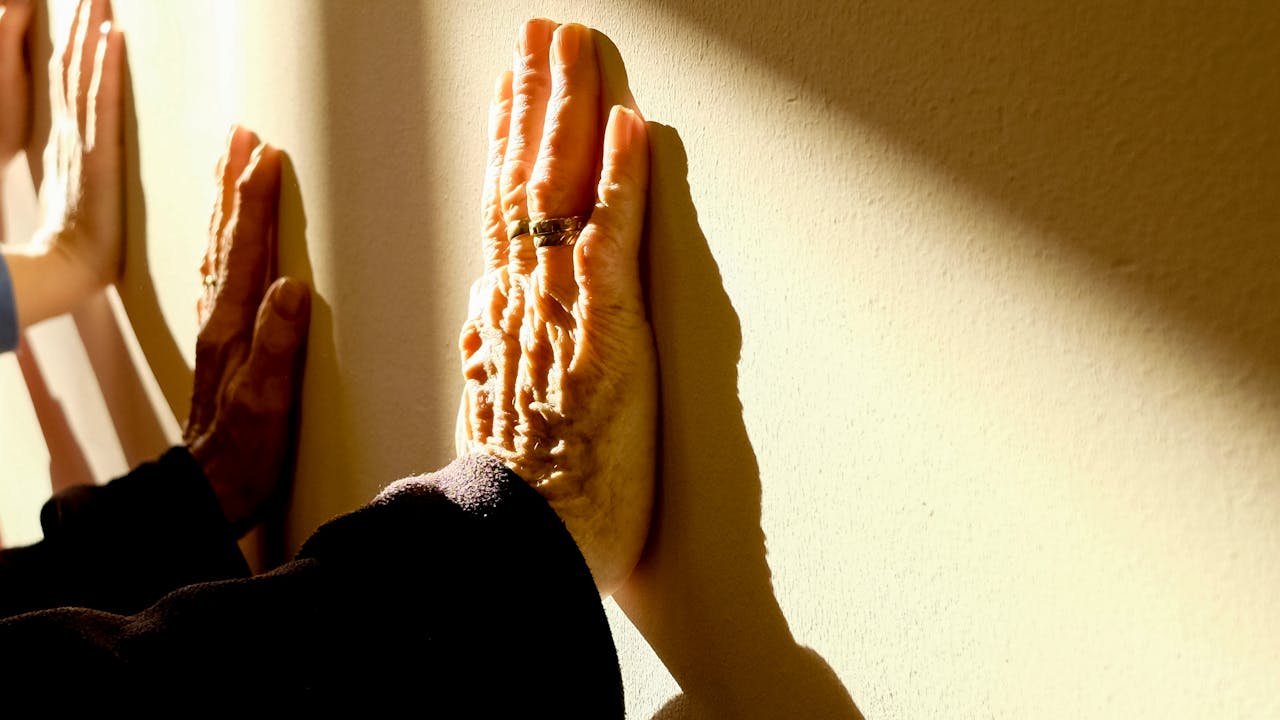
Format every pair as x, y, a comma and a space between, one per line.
8, 310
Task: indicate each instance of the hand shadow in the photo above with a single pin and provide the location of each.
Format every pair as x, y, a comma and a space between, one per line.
702, 595
136, 288
321, 375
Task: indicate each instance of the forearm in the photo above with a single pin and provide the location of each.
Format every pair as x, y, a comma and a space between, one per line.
459, 592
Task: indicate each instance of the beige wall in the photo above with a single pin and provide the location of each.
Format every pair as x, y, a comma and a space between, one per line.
968, 313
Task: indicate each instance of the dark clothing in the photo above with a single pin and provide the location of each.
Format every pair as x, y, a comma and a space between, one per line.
456, 594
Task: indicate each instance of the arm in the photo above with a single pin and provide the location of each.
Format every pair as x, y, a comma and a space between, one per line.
460, 592
122, 546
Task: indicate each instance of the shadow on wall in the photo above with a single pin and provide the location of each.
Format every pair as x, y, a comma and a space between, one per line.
702, 595
137, 289
1140, 136
321, 359
370, 410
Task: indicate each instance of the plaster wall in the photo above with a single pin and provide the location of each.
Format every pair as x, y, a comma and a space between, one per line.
968, 316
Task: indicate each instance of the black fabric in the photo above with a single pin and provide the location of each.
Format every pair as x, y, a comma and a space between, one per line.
457, 594
120, 547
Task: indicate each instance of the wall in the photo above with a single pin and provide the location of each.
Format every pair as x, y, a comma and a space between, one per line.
968, 315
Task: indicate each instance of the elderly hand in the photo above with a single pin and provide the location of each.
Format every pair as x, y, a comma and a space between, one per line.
15, 79
250, 350
557, 353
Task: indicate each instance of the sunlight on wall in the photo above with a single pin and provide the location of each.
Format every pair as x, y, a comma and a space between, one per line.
978, 470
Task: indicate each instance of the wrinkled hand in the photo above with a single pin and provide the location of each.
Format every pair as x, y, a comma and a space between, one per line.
557, 353
15, 79
83, 171
250, 350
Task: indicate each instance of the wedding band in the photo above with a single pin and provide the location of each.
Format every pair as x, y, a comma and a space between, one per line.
516, 228
210, 281
556, 232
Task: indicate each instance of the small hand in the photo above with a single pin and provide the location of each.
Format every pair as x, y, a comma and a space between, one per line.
15, 79
557, 353
79, 249
251, 346
82, 189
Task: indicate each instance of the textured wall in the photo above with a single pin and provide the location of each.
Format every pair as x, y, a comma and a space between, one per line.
968, 313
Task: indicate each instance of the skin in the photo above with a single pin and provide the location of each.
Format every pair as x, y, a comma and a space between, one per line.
557, 353
80, 248
15, 80
251, 346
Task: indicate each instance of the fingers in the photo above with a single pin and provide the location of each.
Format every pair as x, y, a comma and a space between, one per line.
63, 79
91, 37
566, 168
531, 88
495, 225
606, 257
87, 53
247, 252
561, 184
241, 143
279, 346
103, 126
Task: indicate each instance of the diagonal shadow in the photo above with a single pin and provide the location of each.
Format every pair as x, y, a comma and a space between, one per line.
321, 357
1138, 138
702, 595
136, 288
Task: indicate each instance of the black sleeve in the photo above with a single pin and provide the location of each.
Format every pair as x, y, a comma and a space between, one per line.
120, 547
457, 594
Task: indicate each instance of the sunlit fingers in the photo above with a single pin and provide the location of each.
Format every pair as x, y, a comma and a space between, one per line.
248, 249
531, 88
85, 54
606, 258
495, 224
102, 124
241, 144
567, 165
561, 185
66, 79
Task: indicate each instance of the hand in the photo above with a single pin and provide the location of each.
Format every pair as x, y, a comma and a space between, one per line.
250, 350
79, 249
15, 79
557, 353
82, 189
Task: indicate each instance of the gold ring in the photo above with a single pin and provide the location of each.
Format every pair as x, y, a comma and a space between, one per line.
557, 232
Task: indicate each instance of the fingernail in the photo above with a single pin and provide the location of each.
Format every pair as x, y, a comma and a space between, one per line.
535, 33
290, 297
105, 27
568, 41
627, 123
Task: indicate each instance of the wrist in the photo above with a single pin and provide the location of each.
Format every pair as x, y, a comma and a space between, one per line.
47, 281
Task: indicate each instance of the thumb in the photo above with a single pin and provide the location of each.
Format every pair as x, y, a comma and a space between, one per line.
274, 368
